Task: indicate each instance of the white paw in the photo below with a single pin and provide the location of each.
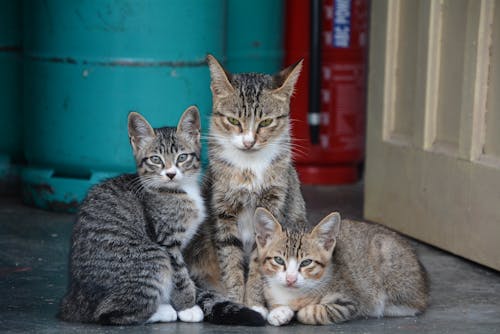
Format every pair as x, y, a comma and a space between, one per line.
280, 316
164, 313
262, 310
193, 314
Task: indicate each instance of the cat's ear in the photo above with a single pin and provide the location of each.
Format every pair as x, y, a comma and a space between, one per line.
189, 124
327, 230
139, 131
221, 79
286, 79
266, 226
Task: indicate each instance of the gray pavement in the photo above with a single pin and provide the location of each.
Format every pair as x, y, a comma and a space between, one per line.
34, 245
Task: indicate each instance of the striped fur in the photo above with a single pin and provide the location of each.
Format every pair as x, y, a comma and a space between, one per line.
250, 165
126, 251
337, 272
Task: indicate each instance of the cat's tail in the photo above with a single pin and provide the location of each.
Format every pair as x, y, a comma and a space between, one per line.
219, 310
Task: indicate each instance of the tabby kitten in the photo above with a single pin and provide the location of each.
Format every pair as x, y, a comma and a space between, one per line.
250, 165
337, 272
126, 262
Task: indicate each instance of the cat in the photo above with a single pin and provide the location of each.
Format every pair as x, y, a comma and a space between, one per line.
126, 263
341, 270
250, 165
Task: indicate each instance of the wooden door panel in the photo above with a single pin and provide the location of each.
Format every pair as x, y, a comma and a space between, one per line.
492, 140
433, 136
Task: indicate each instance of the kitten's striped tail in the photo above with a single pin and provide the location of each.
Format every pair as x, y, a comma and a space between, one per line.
219, 310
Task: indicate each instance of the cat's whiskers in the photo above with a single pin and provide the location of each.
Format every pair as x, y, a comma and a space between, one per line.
214, 136
137, 187
144, 183
290, 145
298, 150
294, 121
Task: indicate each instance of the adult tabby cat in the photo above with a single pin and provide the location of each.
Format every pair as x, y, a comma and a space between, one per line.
126, 262
337, 272
249, 165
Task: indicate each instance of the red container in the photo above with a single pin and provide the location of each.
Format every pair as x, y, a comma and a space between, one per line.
336, 158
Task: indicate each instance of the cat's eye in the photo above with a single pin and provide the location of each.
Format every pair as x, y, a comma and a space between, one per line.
182, 157
233, 121
155, 159
265, 122
305, 263
279, 260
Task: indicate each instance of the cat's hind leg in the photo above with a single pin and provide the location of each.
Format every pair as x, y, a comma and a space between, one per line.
404, 278
126, 308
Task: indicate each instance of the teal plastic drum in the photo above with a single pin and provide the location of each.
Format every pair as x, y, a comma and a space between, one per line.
87, 65
255, 36
11, 145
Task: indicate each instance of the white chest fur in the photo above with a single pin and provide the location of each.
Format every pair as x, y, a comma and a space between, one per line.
193, 192
246, 229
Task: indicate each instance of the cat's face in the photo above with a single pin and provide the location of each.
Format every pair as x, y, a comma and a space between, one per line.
251, 110
295, 259
166, 157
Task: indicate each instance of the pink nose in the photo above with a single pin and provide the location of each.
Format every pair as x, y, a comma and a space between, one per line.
291, 279
248, 143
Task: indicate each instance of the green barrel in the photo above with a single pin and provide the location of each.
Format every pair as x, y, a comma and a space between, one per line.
87, 65
255, 35
11, 146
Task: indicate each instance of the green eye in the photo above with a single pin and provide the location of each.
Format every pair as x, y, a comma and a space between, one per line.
155, 159
305, 263
182, 157
233, 121
279, 260
266, 122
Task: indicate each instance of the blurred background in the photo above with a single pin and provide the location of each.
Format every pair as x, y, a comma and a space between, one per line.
71, 71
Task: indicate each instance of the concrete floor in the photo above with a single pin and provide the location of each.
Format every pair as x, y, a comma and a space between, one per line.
34, 244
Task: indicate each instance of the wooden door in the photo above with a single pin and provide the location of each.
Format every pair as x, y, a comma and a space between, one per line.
433, 133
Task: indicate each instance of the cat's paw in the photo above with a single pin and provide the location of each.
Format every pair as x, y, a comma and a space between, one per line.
193, 314
164, 313
280, 316
314, 315
262, 310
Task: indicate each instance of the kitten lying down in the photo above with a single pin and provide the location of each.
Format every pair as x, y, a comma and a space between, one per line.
339, 271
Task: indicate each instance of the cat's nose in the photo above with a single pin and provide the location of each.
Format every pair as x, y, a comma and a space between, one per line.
291, 279
171, 175
248, 144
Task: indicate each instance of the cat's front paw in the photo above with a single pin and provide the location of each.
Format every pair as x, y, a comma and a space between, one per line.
193, 314
280, 316
261, 309
164, 313
314, 315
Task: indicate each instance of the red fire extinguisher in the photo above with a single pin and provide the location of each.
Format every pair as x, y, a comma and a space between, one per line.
328, 110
